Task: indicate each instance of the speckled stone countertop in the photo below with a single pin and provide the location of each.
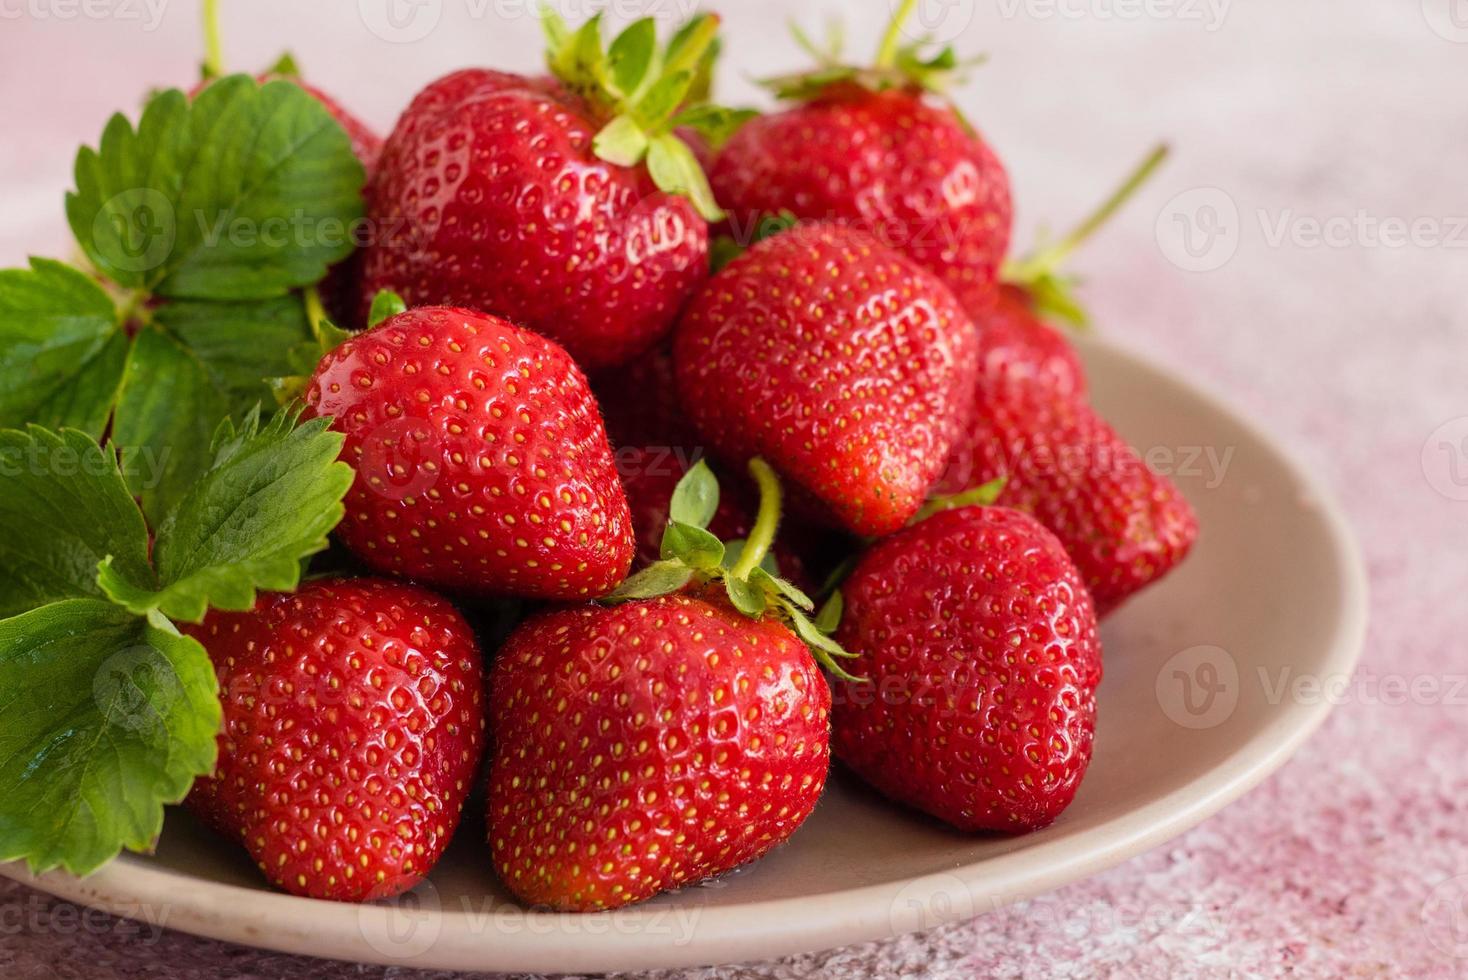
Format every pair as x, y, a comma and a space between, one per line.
1321, 148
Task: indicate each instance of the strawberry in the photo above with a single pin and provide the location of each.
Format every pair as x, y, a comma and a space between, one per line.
649, 745
528, 197
866, 147
353, 726
977, 647
1016, 337
844, 363
1124, 525
482, 464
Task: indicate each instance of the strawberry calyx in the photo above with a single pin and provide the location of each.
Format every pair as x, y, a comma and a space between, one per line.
983, 495
899, 66
642, 94
695, 559
326, 337
1040, 274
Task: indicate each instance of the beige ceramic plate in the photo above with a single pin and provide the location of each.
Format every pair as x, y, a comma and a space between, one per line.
1191, 717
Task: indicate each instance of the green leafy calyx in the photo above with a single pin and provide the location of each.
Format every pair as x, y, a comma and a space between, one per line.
644, 93
694, 557
898, 66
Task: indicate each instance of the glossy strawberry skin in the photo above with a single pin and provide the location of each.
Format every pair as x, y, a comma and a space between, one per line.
488, 195
353, 726
979, 657
842, 363
482, 464
645, 747
890, 163
1017, 345
1124, 525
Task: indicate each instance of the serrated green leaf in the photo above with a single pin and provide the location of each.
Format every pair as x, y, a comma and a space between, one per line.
826, 650
714, 123
63, 509
385, 305
631, 56
675, 169
196, 364
104, 719
695, 499
268, 500
245, 193
659, 578
745, 596
693, 546
61, 348
621, 141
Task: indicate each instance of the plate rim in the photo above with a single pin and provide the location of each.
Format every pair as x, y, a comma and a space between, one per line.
789, 926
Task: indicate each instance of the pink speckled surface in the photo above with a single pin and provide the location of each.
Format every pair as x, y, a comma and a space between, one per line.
1353, 860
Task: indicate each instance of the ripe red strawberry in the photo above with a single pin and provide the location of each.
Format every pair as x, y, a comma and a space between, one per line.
867, 146
842, 362
977, 647
353, 726
527, 197
648, 746
1124, 525
482, 464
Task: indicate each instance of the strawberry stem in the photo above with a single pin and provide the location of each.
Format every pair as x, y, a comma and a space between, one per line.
1049, 259
892, 40
213, 47
767, 520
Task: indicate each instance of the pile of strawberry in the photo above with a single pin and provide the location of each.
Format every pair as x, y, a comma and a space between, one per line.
572, 289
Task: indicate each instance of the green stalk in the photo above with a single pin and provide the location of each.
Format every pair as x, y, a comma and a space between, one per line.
213, 47
762, 535
892, 40
1054, 256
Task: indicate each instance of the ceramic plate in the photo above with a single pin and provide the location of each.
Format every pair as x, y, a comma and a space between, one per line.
1194, 711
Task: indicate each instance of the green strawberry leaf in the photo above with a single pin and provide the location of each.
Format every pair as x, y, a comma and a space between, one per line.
746, 596
659, 578
385, 305
104, 718
64, 508
622, 142
675, 169
268, 501
245, 193
62, 348
830, 615
195, 364
284, 67
693, 546
983, 495
631, 56
714, 123
696, 498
